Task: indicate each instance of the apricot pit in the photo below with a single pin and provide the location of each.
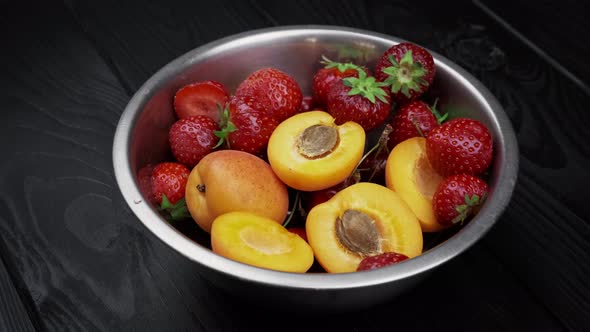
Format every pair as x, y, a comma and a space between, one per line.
317, 141
358, 233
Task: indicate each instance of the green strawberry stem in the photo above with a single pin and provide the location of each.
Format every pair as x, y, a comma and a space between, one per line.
439, 118
405, 75
342, 67
177, 211
366, 86
292, 212
226, 125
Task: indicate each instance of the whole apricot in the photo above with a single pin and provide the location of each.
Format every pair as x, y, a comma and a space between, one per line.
309, 152
409, 173
249, 238
231, 180
365, 219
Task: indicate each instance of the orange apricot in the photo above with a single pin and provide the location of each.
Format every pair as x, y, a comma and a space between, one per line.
362, 220
231, 180
309, 152
409, 173
251, 239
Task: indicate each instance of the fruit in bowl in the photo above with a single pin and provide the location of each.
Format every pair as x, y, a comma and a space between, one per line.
314, 142
261, 145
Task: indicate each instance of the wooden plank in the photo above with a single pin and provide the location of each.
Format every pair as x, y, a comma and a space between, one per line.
81, 255
13, 313
552, 29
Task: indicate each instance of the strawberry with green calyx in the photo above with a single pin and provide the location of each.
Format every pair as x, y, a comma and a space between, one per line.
247, 126
168, 185
332, 73
414, 119
408, 69
360, 99
457, 198
169, 179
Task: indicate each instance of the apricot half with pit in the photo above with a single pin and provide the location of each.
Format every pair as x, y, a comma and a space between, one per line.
309, 152
409, 173
231, 180
362, 220
248, 238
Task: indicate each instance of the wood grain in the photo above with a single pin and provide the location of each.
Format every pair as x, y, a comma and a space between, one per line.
551, 27
13, 313
86, 263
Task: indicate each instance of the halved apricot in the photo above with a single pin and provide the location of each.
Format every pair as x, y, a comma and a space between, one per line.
409, 173
362, 220
252, 239
309, 152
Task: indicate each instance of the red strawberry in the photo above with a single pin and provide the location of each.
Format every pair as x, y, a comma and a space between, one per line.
413, 119
144, 179
362, 100
460, 146
192, 138
457, 198
299, 231
381, 260
332, 73
247, 127
277, 92
307, 104
408, 69
200, 98
169, 180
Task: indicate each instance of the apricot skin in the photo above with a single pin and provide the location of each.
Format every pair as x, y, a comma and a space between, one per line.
398, 226
409, 173
306, 174
251, 239
234, 181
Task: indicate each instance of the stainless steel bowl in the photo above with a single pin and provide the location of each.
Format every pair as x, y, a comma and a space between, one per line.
141, 138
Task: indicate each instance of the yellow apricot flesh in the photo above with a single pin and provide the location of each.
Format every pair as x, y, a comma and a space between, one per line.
409, 173
259, 241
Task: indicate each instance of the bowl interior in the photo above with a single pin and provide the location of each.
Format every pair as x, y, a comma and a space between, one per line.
143, 131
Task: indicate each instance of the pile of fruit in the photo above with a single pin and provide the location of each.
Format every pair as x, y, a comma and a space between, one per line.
281, 181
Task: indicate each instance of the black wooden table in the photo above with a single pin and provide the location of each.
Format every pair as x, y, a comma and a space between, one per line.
73, 256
